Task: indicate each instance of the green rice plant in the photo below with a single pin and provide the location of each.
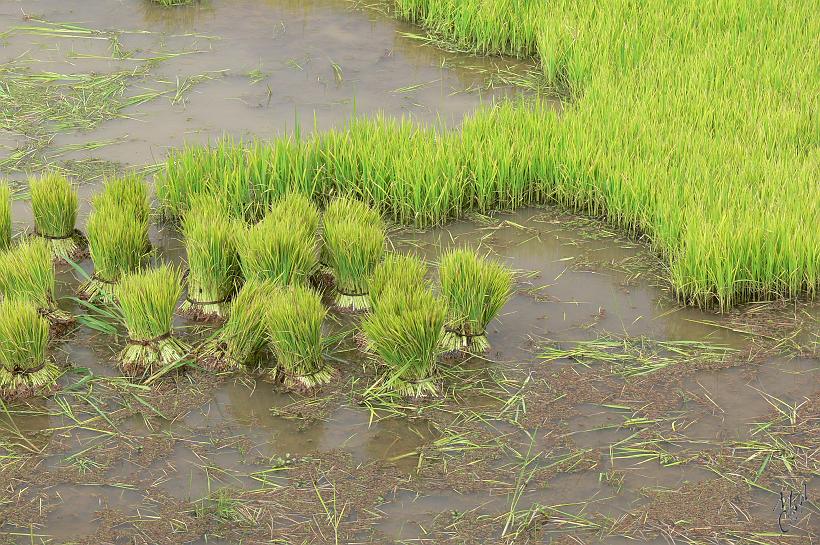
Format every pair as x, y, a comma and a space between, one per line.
27, 274
353, 252
55, 204
295, 318
299, 210
147, 301
405, 334
5, 216
241, 340
275, 250
117, 244
402, 272
475, 290
344, 209
130, 192
25, 367
213, 259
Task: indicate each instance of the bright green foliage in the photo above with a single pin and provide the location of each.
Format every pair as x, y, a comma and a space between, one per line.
475, 290
353, 250
299, 211
213, 258
344, 209
55, 203
147, 301
27, 274
295, 318
405, 332
130, 192
116, 237
401, 272
274, 249
677, 126
25, 368
5, 215
243, 337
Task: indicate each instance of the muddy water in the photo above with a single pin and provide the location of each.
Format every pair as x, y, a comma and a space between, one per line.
224, 459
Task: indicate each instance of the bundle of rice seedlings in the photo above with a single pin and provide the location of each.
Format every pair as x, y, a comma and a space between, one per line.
131, 193
405, 333
213, 259
55, 203
25, 368
475, 290
147, 300
343, 209
5, 216
275, 250
243, 337
27, 273
299, 209
117, 243
354, 250
295, 330
397, 271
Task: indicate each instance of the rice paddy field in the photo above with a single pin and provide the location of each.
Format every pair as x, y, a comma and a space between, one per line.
409, 272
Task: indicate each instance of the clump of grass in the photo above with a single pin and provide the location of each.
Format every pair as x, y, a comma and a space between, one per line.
243, 337
295, 320
277, 249
55, 203
299, 209
131, 193
403, 272
147, 301
475, 290
344, 209
405, 333
25, 368
5, 216
213, 259
117, 244
353, 252
27, 273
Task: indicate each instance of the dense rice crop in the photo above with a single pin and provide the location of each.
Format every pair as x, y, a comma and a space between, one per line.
353, 250
277, 249
403, 272
680, 127
242, 339
27, 274
5, 216
117, 238
25, 368
147, 301
129, 192
405, 333
213, 259
475, 290
55, 204
298, 210
295, 318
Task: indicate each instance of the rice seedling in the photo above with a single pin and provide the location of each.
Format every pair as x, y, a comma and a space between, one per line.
25, 367
299, 210
54, 202
295, 318
27, 273
117, 243
5, 216
241, 340
275, 250
147, 301
213, 259
402, 272
353, 251
131, 193
405, 333
475, 290
344, 209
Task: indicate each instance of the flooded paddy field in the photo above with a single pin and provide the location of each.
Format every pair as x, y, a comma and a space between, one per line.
604, 412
